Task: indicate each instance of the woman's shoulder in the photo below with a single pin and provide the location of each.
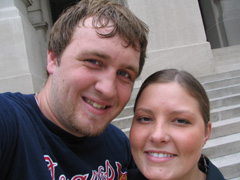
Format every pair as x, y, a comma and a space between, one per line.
213, 173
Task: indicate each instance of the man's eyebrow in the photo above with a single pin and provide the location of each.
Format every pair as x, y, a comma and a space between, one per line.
96, 53
131, 68
105, 56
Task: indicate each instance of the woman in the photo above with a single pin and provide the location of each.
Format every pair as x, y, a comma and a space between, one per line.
170, 126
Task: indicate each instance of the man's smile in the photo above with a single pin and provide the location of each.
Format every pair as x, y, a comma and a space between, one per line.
94, 104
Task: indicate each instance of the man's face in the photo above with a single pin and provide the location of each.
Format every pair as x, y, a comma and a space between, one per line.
93, 81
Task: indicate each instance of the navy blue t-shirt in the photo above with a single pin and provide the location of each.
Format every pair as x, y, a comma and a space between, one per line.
33, 148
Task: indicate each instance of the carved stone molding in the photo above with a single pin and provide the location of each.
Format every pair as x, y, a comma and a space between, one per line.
28, 2
42, 25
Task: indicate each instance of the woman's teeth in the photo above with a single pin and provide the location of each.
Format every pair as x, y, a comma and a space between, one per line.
160, 155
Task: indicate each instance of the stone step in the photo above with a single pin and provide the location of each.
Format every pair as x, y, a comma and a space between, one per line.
229, 165
224, 63
137, 85
219, 76
126, 131
222, 146
226, 53
224, 66
230, 100
131, 101
237, 178
226, 127
123, 122
225, 91
134, 93
221, 83
127, 111
223, 113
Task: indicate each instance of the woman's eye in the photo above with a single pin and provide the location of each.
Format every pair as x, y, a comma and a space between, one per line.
143, 119
182, 121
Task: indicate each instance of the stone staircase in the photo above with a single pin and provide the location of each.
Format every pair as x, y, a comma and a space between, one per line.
223, 147
223, 89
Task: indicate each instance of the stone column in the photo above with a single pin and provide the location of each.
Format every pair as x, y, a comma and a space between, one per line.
231, 20
222, 22
22, 66
177, 37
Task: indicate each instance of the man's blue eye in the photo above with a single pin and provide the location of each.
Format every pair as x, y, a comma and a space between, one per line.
123, 73
93, 61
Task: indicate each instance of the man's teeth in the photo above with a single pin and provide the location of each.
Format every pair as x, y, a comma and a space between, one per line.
160, 155
96, 105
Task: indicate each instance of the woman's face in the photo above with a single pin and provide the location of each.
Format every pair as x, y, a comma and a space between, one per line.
168, 133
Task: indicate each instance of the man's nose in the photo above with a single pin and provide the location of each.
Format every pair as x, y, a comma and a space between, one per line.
107, 84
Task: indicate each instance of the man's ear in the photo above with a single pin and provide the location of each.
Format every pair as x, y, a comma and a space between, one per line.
51, 61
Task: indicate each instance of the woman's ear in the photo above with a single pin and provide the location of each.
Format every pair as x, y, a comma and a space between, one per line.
51, 61
208, 132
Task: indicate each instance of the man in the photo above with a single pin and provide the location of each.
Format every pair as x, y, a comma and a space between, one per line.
96, 51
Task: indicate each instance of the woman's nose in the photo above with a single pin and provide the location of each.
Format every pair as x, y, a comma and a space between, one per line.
160, 133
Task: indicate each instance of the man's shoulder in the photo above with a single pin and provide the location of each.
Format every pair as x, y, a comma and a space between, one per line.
11, 98
14, 105
115, 131
8, 101
115, 135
